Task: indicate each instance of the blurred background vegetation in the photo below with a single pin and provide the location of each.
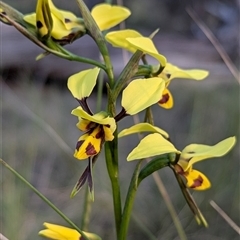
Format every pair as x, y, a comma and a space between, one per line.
35, 104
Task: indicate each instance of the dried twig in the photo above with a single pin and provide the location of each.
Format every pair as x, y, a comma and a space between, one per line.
225, 217
232, 68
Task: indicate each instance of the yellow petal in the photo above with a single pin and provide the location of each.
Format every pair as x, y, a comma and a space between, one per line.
43, 17
152, 145
142, 127
166, 100
68, 19
197, 180
108, 133
66, 26
141, 93
101, 118
108, 16
197, 152
89, 144
146, 45
58, 232
81, 84
59, 31
176, 72
118, 39
85, 125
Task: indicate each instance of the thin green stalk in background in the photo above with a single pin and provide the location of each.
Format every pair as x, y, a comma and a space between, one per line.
169, 205
43, 198
132, 190
87, 207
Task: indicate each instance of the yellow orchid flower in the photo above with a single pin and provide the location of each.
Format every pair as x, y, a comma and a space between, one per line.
58, 232
98, 128
155, 144
63, 26
171, 72
108, 16
132, 41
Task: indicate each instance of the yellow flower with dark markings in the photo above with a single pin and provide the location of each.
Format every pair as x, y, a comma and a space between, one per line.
63, 26
132, 41
58, 232
155, 144
98, 128
171, 72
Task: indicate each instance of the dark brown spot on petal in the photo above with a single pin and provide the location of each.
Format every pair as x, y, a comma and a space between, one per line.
168, 75
79, 144
191, 152
90, 150
4, 13
91, 125
39, 24
67, 20
165, 98
100, 134
107, 125
197, 182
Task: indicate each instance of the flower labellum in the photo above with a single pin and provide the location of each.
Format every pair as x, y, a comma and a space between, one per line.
98, 129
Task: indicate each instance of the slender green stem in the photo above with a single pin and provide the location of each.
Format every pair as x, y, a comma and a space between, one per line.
73, 57
43, 198
132, 190
86, 211
112, 166
149, 116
